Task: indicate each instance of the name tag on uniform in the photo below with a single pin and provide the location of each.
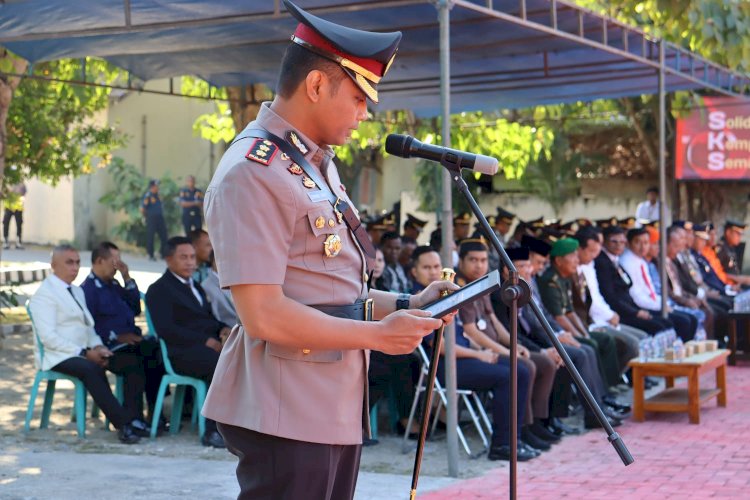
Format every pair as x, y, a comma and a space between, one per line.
317, 196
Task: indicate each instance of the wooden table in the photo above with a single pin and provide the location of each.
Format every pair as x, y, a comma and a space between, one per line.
676, 399
735, 317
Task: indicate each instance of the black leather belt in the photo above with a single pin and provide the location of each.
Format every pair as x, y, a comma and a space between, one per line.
361, 310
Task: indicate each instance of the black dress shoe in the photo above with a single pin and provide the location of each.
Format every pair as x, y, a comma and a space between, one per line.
542, 432
213, 439
566, 429
615, 403
529, 438
525, 446
503, 453
127, 435
593, 423
140, 428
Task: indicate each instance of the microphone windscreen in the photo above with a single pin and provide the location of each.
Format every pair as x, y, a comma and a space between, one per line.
485, 165
398, 145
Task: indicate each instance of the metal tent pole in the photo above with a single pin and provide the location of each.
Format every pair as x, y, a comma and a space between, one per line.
662, 183
443, 7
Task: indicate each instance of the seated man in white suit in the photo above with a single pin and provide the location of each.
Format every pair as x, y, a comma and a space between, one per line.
71, 346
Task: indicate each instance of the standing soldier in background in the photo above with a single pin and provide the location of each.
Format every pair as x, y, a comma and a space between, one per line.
290, 388
153, 211
191, 202
13, 204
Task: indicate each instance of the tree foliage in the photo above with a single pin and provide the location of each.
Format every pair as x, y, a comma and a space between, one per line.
129, 187
52, 131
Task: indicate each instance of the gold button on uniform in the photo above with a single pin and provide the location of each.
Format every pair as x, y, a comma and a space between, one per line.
331, 223
320, 222
305, 351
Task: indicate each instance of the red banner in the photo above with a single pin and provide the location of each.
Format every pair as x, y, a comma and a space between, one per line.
713, 143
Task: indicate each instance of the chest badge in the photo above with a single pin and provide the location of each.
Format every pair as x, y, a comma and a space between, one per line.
307, 182
298, 143
295, 169
332, 245
320, 222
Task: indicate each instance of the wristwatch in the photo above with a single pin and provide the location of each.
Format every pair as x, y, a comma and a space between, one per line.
402, 301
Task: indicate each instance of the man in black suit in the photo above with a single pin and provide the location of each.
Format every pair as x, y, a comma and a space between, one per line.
615, 283
182, 317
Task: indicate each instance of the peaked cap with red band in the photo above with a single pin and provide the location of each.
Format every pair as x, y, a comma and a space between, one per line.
365, 56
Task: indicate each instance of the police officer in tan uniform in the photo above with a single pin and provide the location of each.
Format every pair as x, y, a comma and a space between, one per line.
289, 390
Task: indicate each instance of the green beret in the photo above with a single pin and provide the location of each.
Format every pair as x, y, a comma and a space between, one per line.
563, 247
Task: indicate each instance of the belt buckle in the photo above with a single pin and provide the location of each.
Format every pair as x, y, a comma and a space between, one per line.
369, 309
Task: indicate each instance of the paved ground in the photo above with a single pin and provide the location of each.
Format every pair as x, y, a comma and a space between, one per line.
674, 459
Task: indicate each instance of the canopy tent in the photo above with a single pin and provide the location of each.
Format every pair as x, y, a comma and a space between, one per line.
504, 53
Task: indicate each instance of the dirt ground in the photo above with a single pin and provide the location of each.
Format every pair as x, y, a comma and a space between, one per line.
384, 467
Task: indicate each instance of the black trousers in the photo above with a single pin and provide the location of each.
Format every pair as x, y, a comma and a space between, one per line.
651, 326
18, 215
142, 368
274, 468
191, 221
155, 225
196, 361
394, 373
477, 375
95, 380
585, 361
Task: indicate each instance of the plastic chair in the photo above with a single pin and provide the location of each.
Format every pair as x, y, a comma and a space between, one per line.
51, 377
471, 401
182, 382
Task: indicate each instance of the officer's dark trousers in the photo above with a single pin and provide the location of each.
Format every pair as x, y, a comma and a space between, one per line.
142, 368
392, 373
684, 324
95, 380
585, 361
196, 361
542, 375
274, 468
155, 225
191, 223
16, 214
651, 326
477, 375
606, 350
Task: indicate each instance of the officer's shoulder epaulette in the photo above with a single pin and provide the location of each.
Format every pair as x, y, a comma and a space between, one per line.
262, 151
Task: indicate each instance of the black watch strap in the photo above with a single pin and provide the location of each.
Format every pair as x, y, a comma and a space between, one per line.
402, 301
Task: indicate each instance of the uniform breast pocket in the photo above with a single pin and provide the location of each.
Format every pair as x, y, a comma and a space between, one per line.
324, 241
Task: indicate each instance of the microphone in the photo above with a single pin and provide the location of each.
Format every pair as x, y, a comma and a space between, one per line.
406, 146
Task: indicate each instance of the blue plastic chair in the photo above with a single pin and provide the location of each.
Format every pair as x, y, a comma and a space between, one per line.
182, 382
51, 377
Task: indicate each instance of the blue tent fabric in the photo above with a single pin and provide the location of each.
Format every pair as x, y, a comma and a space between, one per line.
494, 63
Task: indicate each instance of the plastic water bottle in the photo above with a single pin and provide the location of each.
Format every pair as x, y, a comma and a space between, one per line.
643, 350
679, 349
700, 334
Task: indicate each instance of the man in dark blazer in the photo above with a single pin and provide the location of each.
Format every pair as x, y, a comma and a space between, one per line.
615, 283
182, 317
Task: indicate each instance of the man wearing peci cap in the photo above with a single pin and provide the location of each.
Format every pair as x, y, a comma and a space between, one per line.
290, 387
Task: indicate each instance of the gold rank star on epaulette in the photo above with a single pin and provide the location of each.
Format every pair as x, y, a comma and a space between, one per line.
262, 152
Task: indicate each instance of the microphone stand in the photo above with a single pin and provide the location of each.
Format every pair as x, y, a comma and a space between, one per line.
515, 292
